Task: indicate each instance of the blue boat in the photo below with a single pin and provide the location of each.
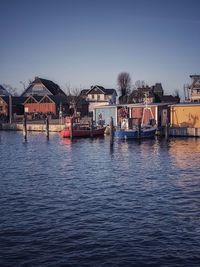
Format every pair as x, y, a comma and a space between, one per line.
139, 131
144, 132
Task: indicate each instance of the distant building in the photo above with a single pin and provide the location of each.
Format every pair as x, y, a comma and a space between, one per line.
99, 96
158, 92
46, 97
147, 93
42, 87
194, 88
170, 99
14, 102
47, 104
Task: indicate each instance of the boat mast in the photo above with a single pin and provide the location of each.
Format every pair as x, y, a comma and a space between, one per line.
146, 107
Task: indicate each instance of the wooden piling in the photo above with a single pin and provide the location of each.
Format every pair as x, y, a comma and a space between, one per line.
111, 130
91, 129
139, 130
71, 128
25, 127
167, 130
47, 127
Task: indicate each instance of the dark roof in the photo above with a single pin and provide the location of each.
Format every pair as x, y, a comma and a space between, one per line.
169, 99
16, 100
53, 88
56, 98
36, 97
104, 90
59, 99
84, 92
3, 91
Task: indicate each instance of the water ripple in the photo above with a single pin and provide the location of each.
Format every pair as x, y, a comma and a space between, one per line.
84, 203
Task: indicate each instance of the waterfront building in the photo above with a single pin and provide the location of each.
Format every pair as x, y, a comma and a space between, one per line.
194, 88
44, 97
99, 96
42, 87
185, 115
158, 113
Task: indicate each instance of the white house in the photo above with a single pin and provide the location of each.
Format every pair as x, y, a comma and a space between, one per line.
99, 96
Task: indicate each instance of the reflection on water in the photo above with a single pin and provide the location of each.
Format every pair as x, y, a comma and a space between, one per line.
84, 202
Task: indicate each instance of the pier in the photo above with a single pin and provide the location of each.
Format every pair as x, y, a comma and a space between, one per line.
38, 127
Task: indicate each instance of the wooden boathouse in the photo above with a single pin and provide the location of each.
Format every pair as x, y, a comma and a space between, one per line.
185, 119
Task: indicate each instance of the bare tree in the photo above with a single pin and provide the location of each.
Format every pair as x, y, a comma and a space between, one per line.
140, 84
124, 84
74, 98
11, 90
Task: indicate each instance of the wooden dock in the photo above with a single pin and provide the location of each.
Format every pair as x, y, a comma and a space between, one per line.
31, 127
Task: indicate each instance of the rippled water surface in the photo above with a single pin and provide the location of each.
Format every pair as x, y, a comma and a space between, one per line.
85, 203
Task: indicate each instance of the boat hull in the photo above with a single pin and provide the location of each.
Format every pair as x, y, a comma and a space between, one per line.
66, 133
134, 134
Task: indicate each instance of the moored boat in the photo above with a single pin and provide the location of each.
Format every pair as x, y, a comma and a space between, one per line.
137, 133
73, 128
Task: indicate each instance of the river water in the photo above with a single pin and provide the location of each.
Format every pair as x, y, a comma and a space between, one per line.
86, 203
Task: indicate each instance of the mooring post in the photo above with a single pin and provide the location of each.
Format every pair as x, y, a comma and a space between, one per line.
111, 130
167, 130
91, 129
25, 127
139, 129
47, 127
71, 128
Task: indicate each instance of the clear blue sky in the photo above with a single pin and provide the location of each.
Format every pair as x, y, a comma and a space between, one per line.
87, 42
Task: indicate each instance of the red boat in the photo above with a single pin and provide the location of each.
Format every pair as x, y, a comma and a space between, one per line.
73, 128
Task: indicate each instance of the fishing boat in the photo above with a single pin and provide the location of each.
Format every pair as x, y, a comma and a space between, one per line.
74, 128
139, 131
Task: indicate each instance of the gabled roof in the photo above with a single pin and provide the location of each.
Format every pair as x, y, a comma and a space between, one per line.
52, 87
101, 88
3, 91
35, 97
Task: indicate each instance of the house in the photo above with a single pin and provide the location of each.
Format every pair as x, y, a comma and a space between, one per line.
45, 97
149, 94
194, 88
48, 104
99, 96
42, 87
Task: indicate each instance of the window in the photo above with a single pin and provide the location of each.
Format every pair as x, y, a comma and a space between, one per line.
98, 97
